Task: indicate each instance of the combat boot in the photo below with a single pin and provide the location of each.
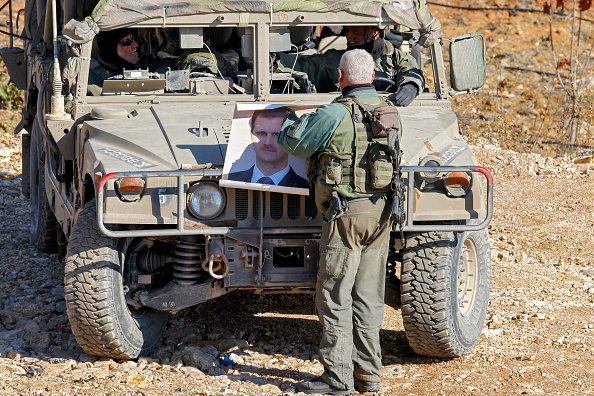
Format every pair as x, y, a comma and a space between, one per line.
320, 387
366, 386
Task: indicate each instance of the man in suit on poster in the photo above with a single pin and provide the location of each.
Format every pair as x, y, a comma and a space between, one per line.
272, 162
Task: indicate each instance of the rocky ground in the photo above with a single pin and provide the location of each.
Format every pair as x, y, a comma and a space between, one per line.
538, 337
539, 333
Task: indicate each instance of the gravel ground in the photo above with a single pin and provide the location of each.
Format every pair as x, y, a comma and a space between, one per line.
538, 337
539, 333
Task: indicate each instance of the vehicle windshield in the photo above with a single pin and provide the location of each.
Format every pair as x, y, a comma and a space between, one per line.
221, 60
252, 47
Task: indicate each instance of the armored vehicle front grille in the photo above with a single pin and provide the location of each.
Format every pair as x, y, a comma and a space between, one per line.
256, 205
311, 210
289, 205
293, 209
276, 205
241, 204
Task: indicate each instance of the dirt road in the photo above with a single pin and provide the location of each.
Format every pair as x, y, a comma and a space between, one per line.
538, 339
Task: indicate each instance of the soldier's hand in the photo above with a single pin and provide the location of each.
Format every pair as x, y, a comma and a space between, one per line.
395, 38
405, 95
290, 114
427, 39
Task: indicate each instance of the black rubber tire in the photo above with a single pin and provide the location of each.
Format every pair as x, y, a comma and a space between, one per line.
442, 309
43, 223
101, 320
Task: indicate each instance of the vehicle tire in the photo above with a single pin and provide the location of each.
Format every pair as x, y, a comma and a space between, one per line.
43, 223
444, 289
103, 323
393, 274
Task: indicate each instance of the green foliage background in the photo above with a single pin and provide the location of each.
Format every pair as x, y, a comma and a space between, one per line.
11, 101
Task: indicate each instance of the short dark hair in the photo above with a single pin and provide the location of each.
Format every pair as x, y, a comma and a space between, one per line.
268, 113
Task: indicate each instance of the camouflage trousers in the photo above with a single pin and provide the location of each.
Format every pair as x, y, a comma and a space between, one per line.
350, 292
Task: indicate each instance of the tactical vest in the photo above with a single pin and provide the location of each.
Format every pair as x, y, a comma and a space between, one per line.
355, 163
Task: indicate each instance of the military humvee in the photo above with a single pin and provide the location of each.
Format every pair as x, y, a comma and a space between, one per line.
126, 184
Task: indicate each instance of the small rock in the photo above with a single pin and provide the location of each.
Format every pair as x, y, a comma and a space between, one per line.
56, 360
192, 371
255, 379
271, 388
31, 326
34, 371
522, 259
200, 359
137, 380
84, 365
37, 341
7, 369
87, 358
218, 371
11, 335
495, 322
215, 336
492, 332
236, 358
536, 318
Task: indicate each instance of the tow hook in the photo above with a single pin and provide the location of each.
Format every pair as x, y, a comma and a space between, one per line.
224, 265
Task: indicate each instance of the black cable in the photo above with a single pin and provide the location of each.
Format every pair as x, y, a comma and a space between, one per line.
504, 9
533, 71
15, 35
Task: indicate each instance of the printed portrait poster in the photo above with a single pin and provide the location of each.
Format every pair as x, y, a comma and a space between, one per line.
254, 159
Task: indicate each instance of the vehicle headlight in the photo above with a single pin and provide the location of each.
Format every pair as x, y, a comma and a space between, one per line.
206, 200
430, 176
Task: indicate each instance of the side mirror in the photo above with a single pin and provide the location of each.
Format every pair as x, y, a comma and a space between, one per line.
16, 64
468, 66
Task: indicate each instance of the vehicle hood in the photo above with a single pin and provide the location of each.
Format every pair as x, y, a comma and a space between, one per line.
167, 136
161, 137
432, 130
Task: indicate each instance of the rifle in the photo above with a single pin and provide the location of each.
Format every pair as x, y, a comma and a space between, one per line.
398, 186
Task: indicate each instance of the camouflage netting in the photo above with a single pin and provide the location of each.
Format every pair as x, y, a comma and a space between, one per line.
112, 14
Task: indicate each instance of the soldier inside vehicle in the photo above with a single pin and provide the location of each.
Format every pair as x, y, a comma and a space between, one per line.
220, 60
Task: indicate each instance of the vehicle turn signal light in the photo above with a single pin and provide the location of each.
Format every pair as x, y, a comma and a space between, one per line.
131, 184
130, 188
457, 183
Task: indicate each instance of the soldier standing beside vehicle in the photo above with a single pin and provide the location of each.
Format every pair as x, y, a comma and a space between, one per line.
389, 62
356, 230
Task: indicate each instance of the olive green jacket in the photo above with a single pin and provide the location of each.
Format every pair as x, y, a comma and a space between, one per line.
322, 69
99, 72
329, 129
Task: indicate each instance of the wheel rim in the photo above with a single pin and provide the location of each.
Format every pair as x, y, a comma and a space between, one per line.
467, 277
